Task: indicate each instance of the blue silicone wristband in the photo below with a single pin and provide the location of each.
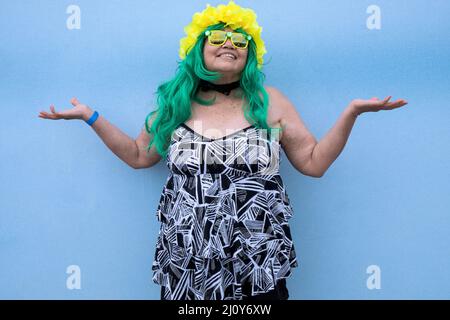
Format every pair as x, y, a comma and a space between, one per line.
92, 118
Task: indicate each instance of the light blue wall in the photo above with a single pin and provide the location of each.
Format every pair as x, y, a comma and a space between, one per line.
65, 199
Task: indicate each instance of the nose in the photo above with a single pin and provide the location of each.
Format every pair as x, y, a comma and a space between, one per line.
228, 44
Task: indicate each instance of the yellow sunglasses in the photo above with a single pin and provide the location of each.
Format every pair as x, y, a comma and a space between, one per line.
219, 37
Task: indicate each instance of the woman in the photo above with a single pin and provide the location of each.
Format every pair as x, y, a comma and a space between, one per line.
224, 209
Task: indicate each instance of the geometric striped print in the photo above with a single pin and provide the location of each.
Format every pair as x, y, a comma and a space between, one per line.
224, 215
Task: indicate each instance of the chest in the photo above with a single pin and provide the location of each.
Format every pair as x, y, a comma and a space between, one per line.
223, 118
220, 117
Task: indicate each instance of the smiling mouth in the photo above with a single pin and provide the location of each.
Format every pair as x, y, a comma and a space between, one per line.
227, 56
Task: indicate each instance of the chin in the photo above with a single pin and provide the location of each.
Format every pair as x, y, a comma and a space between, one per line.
223, 67
228, 66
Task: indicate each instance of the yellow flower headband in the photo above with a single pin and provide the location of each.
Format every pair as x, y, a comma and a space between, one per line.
234, 16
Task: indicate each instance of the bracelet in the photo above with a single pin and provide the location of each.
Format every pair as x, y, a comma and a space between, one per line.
92, 118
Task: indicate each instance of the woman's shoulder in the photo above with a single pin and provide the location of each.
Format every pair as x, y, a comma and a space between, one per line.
274, 111
276, 97
273, 92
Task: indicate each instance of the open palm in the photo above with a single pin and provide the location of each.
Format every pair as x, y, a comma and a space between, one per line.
374, 105
76, 112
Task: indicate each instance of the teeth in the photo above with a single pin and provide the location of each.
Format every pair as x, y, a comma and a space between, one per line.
228, 55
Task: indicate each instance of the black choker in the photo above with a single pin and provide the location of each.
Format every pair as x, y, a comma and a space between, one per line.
223, 88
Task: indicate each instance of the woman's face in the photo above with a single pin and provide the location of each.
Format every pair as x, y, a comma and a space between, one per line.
215, 60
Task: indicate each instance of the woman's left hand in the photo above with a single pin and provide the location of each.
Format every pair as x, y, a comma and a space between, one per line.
359, 106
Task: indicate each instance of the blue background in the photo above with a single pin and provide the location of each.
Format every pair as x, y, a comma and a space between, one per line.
66, 199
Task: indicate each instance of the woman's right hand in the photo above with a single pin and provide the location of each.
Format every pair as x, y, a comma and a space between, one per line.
79, 111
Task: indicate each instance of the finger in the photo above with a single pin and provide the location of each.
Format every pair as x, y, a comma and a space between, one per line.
74, 101
374, 98
387, 99
54, 114
45, 115
396, 104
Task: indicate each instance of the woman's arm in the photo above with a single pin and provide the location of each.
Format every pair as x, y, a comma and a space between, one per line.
146, 159
296, 140
128, 150
326, 151
118, 142
308, 156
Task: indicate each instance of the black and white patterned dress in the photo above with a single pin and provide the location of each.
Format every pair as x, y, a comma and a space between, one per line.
224, 217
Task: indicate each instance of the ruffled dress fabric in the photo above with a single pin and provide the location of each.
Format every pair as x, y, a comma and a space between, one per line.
224, 214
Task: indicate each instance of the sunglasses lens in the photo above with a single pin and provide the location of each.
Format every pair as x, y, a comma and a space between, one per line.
239, 40
217, 37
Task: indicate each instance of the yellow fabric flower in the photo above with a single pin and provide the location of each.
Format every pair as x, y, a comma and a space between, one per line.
234, 16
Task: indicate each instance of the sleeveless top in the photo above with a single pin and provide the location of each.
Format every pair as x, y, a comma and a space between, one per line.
224, 217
